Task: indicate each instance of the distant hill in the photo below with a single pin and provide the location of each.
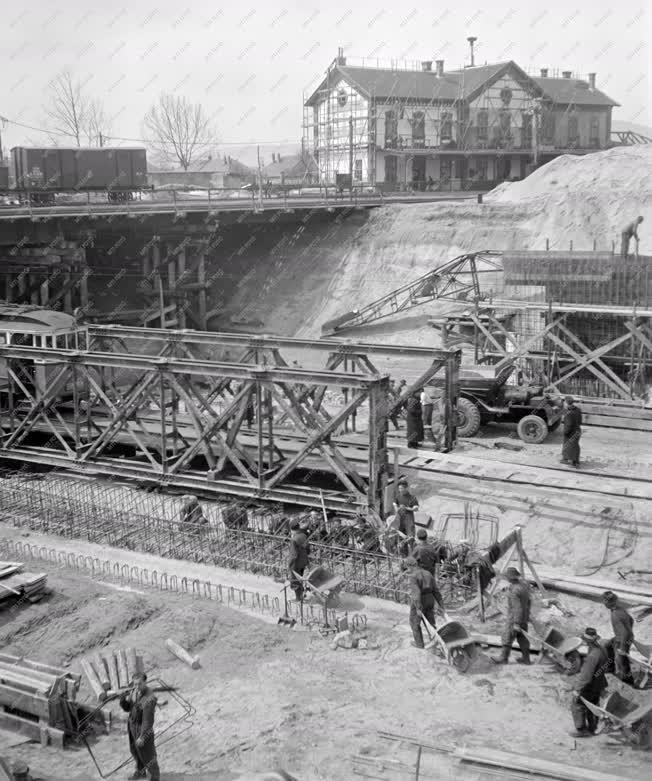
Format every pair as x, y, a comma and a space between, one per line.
621, 124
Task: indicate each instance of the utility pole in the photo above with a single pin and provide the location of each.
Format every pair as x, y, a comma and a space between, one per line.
260, 180
536, 111
351, 156
101, 139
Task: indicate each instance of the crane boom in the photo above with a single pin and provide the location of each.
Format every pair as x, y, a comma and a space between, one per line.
452, 281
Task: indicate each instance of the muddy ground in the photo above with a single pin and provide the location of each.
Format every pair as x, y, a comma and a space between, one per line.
269, 696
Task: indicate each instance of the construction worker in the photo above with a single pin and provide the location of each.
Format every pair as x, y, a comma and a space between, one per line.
298, 558
622, 625
192, 514
423, 596
630, 232
518, 618
140, 703
405, 505
414, 420
425, 553
570, 451
590, 684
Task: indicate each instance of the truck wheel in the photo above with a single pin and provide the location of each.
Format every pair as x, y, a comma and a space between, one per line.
532, 429
468, 418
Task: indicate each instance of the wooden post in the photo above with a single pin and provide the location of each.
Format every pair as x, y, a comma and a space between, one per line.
182, 654
181, 268
172, 283
140, 664
480, 595
111, 666
519, 548
260, 432
100, 669
378, 398
123, 675
91, 677
132, 666
83, 289
201, 296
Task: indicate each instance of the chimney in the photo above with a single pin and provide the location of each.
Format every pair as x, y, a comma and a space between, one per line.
567, 74
426, 65
341, 59
472, 39
591, 80
440, 68
544, 73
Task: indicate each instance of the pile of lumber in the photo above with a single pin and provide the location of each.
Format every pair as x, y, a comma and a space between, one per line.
630, 594
109, 673
37, 700
16, 584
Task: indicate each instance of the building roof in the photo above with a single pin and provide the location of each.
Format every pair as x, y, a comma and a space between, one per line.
464, 84
289, 164
215, 165
574, 91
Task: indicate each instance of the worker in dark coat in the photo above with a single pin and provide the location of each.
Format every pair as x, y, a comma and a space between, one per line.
426, 554
298, 558
424, 594
519, 603
414, 421
630, 232
140, 704
192, 514
405, 505
590, 684
570, 453
622, 625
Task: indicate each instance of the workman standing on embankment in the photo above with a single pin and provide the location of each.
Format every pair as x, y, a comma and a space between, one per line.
423, 596
298, 558
622, 625
519, 602
426, 554
570, 450
140, 704
590, 684
629, 233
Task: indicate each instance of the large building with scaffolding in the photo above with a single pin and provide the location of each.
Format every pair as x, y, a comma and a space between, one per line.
419, 128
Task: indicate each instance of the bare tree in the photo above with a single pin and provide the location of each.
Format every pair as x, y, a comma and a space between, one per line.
97, 124
68, 106
179, 130
71, 112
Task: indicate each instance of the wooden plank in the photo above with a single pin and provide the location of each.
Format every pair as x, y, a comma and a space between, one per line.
31, 729
40, 666
131, 662
101, 671
123, 675
19, 681
93, 680
47, 679
140, 663
634, 411
530, 764
608, 421
21, 700
182, 654
111, 666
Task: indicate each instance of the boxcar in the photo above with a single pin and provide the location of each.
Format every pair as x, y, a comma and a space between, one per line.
46, 170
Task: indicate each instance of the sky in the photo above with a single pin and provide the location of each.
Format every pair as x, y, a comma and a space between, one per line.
250, 64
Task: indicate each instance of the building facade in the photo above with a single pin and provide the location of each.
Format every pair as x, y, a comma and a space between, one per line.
462, 129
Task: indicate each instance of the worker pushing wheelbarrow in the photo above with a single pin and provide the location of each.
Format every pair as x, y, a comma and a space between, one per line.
452, 642
323, 585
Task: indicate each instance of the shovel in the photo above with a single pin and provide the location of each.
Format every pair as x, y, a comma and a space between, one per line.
285, 620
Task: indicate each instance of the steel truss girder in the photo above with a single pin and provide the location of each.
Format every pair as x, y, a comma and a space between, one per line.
217, 433
267, 349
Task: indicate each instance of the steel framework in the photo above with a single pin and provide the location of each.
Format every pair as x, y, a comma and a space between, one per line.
179, 422
456, 280
439, 365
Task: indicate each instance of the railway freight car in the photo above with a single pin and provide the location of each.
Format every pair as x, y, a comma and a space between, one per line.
41, 172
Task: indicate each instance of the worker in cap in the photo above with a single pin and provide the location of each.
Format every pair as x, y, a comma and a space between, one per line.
622, 625
590, 684
517, 620
570, 451
426, 553
423, 593
405, 505
298, 553
140, 703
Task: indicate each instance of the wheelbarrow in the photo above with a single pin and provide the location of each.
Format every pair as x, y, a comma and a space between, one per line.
323, 585
562, 651
453, 643
626, 712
